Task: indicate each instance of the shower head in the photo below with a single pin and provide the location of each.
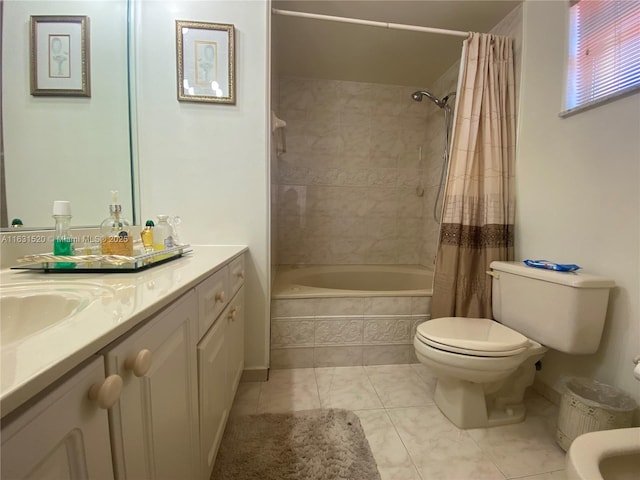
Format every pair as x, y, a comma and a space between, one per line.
417, 96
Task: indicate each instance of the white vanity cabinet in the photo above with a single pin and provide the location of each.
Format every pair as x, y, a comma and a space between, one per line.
63, 435
154, 426
220, 360
170, 383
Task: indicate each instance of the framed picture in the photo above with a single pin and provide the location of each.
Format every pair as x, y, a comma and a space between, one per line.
206, 63
60, 56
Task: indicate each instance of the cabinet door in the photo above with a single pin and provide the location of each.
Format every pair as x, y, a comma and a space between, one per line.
63, 435
155, 424
235, 344
214, 407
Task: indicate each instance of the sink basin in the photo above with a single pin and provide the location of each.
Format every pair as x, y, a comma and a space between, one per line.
26, 309
605, 455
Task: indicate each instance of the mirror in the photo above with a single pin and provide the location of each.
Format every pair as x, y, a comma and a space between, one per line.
64, 147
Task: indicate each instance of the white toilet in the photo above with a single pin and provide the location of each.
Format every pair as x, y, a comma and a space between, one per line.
484, 366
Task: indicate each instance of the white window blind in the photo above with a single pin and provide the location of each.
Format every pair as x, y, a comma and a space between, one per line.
604, 52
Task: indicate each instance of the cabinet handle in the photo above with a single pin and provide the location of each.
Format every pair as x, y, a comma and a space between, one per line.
232, 314
219, 297
139, 364
240, 275
107, 393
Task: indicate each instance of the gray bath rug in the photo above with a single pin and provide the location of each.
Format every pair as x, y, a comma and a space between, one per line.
308, 445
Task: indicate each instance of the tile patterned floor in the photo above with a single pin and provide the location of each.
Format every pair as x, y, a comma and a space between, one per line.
409, 436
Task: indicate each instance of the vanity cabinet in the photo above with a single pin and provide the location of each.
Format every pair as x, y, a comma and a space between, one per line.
220, 360
64, 434
167, 384
154, 426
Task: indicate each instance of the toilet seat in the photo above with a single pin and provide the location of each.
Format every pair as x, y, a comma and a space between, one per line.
479, 337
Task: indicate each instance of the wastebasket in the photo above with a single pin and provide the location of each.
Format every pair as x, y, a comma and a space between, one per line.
588, 406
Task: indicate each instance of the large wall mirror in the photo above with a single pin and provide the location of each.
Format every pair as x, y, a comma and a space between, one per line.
65, 147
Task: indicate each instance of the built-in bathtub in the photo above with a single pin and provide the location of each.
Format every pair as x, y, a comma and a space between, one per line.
352, 281
341, 315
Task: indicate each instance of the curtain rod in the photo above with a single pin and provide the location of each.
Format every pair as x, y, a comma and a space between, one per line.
393, 26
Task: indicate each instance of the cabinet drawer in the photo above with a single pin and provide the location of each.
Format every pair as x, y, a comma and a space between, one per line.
236, 274
213, 296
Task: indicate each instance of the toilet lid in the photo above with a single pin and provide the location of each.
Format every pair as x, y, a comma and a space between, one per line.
474, 336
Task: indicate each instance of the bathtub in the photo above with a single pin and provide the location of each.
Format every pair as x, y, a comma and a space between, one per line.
346, 315
352, 280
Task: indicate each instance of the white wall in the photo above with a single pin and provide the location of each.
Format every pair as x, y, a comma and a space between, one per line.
208, 162
578, 194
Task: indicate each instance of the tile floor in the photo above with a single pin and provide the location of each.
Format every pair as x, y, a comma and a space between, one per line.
409, 437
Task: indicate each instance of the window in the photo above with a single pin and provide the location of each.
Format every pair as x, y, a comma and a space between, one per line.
604, 52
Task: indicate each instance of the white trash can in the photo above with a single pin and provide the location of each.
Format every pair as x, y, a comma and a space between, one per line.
588, 406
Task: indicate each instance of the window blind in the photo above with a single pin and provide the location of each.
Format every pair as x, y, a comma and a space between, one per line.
604, 51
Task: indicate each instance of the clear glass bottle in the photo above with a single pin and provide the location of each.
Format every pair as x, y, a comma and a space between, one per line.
116, 232
162, 234
62, 240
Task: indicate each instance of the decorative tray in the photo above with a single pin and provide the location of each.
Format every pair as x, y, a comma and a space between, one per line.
50, 263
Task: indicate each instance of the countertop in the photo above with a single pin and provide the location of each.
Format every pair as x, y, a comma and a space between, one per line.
124, 300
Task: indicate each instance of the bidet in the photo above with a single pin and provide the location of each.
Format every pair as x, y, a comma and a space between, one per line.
605, 455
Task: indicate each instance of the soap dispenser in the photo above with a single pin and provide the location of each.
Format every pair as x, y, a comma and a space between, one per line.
116, 231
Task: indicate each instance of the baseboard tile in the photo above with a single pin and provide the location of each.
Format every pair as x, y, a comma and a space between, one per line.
547, 391
255, 375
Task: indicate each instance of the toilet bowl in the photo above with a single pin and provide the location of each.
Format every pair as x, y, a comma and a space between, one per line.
483, 366
483, 369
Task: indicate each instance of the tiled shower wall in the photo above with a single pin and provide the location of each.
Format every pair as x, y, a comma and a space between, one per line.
434, 153
352, 185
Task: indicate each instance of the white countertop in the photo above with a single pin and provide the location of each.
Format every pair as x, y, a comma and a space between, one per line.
31, 364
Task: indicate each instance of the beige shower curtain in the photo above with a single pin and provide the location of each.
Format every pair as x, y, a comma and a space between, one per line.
478, 208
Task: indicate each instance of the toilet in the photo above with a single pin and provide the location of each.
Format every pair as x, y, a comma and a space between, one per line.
483, 366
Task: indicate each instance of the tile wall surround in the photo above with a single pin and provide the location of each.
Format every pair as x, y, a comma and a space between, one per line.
356, 152
326, 332
347, 184
434, 152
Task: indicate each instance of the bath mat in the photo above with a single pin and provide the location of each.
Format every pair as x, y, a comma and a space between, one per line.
308, 445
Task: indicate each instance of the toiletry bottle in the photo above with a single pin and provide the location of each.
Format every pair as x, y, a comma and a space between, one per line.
115, 231
62, 241
147, 236
175, 223
162, 234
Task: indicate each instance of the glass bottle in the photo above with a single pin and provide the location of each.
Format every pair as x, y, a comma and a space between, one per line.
115, 232
62, 240
147, 236
162, 234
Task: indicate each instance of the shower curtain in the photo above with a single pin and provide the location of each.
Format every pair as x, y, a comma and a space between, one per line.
478, 208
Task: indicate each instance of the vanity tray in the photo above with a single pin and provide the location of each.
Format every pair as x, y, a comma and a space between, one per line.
50, 263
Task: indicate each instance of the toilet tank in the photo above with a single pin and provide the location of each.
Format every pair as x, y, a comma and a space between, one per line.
561, 310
